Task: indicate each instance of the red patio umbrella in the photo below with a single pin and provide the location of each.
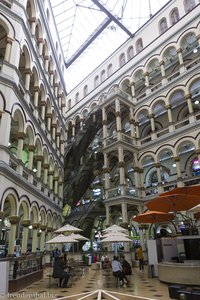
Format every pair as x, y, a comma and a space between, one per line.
193, 190
174, 202
154, 217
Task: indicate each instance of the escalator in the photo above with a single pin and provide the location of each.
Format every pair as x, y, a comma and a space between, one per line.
81, 162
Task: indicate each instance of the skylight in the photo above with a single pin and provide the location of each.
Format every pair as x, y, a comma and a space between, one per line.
90, 30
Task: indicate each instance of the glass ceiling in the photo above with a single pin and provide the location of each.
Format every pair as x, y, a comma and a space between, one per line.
90, 30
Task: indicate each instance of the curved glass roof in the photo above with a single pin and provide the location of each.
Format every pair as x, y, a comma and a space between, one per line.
90, 30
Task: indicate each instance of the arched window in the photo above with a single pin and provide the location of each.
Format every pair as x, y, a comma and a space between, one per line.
103, 75
163, 25
85, 90
109, 70
139, 45
130, 53
174, 16
77, 97
188, 5
96, 81
122, 60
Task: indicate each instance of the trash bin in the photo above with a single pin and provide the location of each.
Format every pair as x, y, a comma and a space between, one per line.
151, 272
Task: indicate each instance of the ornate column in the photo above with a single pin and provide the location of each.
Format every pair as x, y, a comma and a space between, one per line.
73, 130
40, 45
137, 130
124, 212
121, 165
105, 123
8, 49
178, 171
49, 116
58, 139
56, 184
36, 90
169, 113
14, 220
49, 236
56, 89
141, 173
35, 237
60, 101
51, 173
25, 224
107, 215
180, 58
27, 78
158, 166
153, 133
46, 167
162, 68
132, 122
39, 165
118, 119
31, 149
136, 177
60, 189
33, 25
81, 123
46, 63
42, 238
43, 106
132, 84
53, 126
51, 77
20, 137
63, 105
62, 147
106, 172
192, 118
5, 125
146, 76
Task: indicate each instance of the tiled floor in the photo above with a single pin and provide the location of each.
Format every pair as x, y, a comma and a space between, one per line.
92, 285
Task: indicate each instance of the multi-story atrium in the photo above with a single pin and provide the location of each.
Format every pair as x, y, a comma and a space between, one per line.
94, 155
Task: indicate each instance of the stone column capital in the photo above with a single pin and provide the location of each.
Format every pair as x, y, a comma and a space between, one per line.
14, 220
25, 223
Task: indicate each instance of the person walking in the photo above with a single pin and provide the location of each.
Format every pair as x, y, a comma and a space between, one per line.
140, 257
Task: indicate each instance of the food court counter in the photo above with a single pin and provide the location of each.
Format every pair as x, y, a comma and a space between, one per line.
179, 273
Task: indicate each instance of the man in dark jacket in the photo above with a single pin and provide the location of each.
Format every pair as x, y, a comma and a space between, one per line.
59, 271
126, 268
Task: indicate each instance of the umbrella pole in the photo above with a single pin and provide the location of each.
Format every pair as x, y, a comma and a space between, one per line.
116, 249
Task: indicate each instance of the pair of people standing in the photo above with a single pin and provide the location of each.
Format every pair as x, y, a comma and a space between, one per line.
59, 271
120, 270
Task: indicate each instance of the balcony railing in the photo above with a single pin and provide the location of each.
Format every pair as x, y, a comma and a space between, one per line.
127, 191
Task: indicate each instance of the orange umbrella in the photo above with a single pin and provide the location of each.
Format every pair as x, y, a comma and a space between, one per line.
174, 202
154, 217
193, 190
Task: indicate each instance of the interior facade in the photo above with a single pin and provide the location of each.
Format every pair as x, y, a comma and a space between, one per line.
92, 157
